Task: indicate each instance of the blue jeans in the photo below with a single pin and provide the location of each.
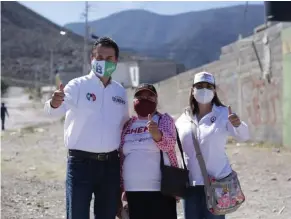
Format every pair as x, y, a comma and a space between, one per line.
87, 176
195, 205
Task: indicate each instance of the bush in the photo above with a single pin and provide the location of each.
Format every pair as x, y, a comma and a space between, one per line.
4, 87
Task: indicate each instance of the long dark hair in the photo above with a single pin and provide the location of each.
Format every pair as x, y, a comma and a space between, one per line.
194, 104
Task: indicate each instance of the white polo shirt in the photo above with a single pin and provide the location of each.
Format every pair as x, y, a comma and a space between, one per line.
213, 130
95, 114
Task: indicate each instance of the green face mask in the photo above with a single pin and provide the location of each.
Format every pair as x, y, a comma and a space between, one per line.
103, 68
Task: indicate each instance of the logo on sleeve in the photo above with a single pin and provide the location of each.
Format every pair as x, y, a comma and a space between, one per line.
91, 97
118, 100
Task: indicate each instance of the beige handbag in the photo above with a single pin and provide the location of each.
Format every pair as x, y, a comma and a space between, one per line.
223, 196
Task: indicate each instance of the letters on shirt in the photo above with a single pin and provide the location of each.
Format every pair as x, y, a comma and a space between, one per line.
118, 100
138, 130
138, 134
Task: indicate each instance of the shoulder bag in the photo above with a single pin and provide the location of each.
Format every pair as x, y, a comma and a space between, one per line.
223, 196
174, 180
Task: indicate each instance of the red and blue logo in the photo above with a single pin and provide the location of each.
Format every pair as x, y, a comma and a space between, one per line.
91, 97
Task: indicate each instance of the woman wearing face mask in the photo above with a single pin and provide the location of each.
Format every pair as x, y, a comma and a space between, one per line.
143, 137
214, 123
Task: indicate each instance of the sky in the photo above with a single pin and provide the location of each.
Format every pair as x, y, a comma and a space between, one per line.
63, 12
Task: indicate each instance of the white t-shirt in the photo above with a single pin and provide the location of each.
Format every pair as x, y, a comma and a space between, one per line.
141, 166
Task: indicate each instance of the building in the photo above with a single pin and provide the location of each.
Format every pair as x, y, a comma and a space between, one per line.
133, 73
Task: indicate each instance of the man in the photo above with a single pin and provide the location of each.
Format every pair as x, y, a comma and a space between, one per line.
4, 112
96, 109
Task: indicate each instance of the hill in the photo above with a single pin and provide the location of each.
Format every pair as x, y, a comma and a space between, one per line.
192, 38
27, 39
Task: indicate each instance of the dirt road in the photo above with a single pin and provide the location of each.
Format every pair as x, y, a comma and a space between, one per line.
23, 112
33, 171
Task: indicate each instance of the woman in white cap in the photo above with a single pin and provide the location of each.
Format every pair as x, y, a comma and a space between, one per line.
214, 122
143, 138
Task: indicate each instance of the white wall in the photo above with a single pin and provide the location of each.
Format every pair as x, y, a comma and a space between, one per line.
122, 73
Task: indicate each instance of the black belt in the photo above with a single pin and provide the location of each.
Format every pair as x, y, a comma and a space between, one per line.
95, 156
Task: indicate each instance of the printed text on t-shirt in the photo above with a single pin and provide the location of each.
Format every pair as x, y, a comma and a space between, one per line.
137, 130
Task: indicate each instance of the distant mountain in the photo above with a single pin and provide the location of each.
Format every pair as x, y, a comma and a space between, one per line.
193, 38
27, 39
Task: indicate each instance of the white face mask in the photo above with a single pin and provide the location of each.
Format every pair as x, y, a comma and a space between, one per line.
203, 96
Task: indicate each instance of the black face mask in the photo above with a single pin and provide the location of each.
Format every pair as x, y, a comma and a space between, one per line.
144, 107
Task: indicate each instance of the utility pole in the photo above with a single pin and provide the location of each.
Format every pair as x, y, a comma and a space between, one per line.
51, 67
237, 76
85, 59
52, 50
35, 79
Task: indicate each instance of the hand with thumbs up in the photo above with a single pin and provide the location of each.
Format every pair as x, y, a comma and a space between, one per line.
58, 97
154, 129
233, 118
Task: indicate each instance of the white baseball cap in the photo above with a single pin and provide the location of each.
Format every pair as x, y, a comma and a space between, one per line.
204, 77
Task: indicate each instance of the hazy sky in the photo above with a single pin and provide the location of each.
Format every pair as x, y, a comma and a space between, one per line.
62, 12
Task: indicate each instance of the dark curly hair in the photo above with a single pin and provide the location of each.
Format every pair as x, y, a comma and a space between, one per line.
107, 42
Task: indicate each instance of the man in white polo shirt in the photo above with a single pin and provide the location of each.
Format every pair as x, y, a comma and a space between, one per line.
96, 109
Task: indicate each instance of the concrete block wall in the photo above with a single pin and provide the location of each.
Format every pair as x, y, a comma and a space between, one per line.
153, 71
122, 73
286, 97
240, 83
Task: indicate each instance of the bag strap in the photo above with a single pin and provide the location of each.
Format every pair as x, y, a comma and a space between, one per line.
199, 156
181, 149
162, 162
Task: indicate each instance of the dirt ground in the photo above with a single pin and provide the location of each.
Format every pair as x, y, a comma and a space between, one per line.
33, 172
23, 111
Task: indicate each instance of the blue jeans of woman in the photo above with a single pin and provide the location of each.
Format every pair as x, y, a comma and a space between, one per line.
195, 205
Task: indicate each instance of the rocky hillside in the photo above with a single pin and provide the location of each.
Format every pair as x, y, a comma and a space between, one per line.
26, 41
27, 38
193, 38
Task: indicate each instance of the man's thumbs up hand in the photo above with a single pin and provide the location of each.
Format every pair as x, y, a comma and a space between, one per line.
58, 97
61, 87
233, 118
